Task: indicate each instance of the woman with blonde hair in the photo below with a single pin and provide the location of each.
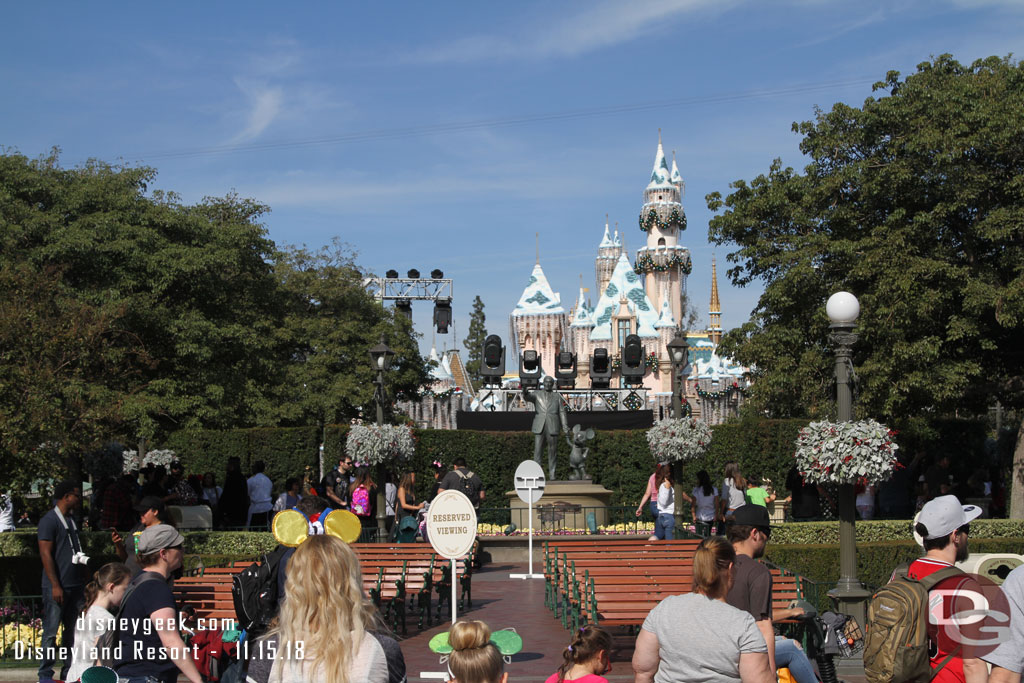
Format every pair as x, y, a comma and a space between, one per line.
701, 636
474, 658
327, 629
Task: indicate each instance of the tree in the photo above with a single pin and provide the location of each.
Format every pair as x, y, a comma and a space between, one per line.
915, 203
331, 323
474, 341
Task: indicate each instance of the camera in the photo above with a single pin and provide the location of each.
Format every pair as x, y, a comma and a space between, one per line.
80, 558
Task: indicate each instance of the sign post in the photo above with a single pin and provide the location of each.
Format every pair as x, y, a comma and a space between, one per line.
529, 484
451, 528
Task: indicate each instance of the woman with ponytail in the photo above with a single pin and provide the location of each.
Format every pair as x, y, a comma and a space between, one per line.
701, 636
102, 597
587, 658
474, 658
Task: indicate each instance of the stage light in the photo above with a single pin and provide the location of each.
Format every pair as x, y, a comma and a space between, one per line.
600, 369
437, 274
529, 370
413, 274
404, 306
632, 370
493, 366
391, 274
442, 315
565, 370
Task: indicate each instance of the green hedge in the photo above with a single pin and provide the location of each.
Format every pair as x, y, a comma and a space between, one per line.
619, 460
884, 530
875, 561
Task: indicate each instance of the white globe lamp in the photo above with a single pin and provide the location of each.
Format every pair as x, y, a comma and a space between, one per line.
842, 308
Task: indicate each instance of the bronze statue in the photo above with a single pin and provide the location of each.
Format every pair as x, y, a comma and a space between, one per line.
550, 415
578, 439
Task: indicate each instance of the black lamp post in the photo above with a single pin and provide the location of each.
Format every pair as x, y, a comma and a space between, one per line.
678, 353
381, 357
843, 309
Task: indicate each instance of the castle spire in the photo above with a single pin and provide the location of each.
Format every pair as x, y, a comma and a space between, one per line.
677, 179
715, 309
660, 174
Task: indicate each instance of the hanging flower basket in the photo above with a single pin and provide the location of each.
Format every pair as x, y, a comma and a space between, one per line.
846, 452
675, 440
132, 461
377, 445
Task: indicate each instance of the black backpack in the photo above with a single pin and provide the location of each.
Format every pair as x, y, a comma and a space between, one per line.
466, 486
254, 591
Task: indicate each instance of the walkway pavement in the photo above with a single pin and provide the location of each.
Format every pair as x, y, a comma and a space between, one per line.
504, 602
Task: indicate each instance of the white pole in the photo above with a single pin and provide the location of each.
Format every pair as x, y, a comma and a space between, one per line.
529, 542
454, 578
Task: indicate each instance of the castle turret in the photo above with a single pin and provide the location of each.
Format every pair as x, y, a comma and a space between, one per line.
539, 322
663, 261
607, 254
715, 309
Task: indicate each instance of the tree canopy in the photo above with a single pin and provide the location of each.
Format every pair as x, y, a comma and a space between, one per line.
914, 202
125, 312
474, 341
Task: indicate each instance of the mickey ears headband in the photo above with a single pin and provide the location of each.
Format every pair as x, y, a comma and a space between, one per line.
507, 641
291, 528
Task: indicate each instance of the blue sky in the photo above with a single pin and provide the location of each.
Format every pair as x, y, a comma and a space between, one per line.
447, 135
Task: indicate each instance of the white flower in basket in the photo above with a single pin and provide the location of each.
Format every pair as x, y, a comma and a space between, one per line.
676, 440
846, 452
375, 445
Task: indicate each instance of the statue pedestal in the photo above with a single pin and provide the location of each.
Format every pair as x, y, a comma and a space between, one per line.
565, 505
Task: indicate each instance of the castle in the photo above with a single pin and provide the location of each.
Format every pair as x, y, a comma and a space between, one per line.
646, 298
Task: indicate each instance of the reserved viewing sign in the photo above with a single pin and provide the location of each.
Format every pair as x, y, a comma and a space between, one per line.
451, 524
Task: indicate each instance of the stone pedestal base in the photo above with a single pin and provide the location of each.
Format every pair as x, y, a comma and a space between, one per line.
565, 505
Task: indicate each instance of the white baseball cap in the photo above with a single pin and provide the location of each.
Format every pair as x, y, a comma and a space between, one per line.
944, 515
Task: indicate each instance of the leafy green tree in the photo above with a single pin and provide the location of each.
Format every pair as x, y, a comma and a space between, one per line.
474, 341
330, 326
915, 203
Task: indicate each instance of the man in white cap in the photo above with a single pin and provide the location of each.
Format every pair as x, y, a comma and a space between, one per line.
151, 646
944, 525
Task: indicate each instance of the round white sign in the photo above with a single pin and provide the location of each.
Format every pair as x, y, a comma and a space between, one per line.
451, 524
529, 481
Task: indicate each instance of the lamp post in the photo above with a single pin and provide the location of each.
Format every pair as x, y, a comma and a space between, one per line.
381, 357
678, 353
843, 309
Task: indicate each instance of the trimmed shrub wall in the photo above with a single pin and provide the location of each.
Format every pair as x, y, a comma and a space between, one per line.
619, 460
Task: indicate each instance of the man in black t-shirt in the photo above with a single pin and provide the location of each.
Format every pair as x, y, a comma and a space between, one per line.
63, 581
336, 483
462, 479
151, 645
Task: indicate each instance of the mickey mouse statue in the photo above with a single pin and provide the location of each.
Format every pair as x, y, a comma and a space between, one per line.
578, 441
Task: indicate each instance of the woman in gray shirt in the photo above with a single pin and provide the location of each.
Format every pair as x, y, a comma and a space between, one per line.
697, 636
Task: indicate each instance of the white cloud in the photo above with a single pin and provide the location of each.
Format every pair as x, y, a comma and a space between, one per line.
602, 25
263, 107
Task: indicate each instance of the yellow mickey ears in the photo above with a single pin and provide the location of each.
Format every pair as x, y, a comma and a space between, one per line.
291, 527
344, 525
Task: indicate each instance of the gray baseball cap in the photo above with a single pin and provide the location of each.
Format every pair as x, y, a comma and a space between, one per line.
944, 515
159, 537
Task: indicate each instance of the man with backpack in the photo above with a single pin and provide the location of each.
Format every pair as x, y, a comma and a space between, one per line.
465, 480
903, 641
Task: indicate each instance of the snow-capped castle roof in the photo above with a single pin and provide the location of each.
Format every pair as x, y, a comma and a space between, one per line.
538, 297
624, 283
661, 176
441, 372
583, 316
666, 319
675, 178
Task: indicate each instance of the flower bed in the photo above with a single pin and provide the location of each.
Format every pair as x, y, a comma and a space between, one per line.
637, 529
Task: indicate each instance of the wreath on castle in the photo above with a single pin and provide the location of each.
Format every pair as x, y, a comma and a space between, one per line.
646, 264
651, 220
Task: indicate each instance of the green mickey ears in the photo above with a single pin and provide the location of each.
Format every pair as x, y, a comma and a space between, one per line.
507, 641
